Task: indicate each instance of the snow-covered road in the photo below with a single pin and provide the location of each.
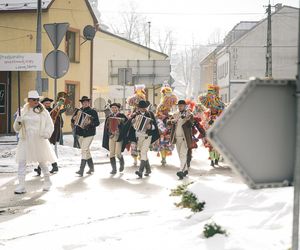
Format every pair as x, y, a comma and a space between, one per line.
121, 212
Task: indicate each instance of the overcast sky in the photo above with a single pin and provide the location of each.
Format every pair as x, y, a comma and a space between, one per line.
190, 19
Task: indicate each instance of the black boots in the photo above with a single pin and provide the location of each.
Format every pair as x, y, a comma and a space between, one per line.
212, 164
122, 163
82, 166
38, 171
148, 168
91, 166
180, 175
54, 168
139, 173
113, 165
143, 165
216, 161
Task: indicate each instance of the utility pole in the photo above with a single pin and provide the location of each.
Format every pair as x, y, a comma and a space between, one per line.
38, 83
295, 235
149, 39
269, 44
149, 50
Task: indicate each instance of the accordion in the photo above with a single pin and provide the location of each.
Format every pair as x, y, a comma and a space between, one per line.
82, 119
113, 124
141, 123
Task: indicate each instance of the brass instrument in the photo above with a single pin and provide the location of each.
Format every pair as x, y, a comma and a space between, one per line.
62, 102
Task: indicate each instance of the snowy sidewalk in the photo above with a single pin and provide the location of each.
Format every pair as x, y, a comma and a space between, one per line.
122, 212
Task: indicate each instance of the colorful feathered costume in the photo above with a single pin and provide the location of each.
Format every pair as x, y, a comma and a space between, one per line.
168, 100
210, 107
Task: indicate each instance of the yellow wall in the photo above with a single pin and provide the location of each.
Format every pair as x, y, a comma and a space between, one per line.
108, 47
23, 39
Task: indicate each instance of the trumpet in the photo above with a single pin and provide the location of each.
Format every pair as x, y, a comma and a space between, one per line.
62, 102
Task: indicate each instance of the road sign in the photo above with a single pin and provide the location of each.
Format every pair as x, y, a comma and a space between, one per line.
56, 32
257, 132
21, 62
56, 64
125, 76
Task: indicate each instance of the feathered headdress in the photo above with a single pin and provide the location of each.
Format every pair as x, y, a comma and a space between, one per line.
139, 94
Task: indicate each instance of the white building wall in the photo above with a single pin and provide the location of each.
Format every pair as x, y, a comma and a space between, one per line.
248, 54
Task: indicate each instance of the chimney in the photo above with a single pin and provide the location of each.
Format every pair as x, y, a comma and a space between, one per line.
278, 6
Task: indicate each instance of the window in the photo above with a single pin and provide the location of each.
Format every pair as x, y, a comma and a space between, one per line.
71, 89
73, 45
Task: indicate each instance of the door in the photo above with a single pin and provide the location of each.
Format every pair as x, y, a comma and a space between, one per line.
3, 102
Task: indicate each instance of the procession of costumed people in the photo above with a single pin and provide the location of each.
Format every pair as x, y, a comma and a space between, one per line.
139, 131
210, 108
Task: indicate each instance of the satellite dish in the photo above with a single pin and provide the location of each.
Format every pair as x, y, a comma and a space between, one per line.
89, 32
99, 104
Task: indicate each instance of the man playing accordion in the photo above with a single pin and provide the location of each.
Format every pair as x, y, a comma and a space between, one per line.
85, 121
113, 136
144, 131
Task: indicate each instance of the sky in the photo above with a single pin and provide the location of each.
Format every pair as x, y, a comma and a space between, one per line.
192, 21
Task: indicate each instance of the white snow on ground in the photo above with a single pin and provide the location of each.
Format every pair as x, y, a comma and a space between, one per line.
121, 212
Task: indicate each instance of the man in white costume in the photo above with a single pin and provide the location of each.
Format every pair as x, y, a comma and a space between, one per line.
35, 127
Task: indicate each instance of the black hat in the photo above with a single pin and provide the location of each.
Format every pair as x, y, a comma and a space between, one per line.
84, 98
115, 104
46, 99
181, 102
143, 104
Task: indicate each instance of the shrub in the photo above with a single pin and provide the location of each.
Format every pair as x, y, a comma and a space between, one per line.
180, 189
210, 229
189, 200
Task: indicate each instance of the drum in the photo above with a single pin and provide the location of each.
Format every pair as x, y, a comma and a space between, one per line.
82, 119
113, 124
141, 123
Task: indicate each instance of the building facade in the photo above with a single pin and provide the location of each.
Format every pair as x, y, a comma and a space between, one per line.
245, 57
18, 27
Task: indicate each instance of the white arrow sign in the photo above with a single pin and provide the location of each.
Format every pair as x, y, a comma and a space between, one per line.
257, 132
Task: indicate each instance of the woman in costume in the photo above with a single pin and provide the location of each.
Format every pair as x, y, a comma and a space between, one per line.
215, 106
35, 127
163, 146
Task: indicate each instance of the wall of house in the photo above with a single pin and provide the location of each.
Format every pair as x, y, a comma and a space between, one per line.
108, 47
248, 55
19, 30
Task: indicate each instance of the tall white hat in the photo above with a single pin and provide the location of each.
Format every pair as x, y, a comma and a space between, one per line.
33, 94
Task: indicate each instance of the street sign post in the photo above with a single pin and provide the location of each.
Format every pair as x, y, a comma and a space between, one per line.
256, 133
56, 62
56, 32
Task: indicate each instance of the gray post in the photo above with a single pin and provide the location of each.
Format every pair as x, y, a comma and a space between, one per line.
295, 239
38, 83
269, 44
124, 90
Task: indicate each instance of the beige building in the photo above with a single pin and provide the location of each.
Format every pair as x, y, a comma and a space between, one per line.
18, 35
109, 49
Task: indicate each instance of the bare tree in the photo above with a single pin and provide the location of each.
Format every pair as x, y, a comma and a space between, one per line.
134, 27
166, 42
187, 67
